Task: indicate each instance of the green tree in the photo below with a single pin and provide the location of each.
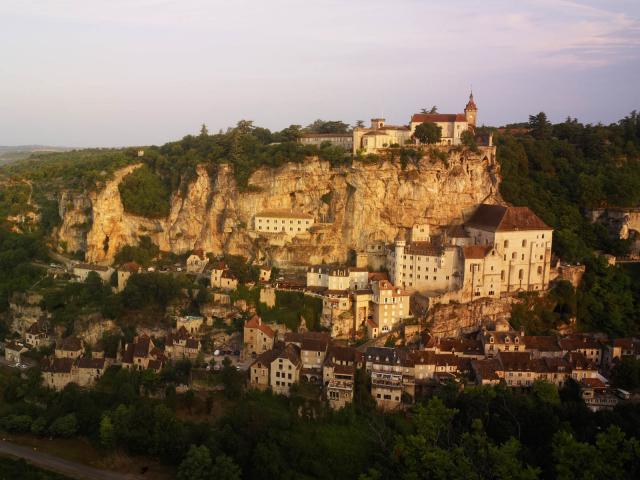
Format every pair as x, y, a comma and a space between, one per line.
196, 465
65, 426
540, 126
224, 468
107, 432
428, 133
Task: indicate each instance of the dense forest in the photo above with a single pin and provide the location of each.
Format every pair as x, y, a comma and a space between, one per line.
475, 433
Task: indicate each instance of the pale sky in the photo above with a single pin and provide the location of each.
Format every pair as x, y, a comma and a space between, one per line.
136, 72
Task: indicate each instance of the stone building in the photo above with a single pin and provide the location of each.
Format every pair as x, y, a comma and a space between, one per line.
258, 337
70, 347
285, 369
197, 261
389, 305
82, 271
344, 140
125, 271
282, 221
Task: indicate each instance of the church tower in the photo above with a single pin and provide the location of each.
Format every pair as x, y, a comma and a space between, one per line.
471, 111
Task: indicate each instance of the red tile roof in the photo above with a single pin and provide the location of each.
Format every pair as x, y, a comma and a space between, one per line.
438, 117
256, 322
474, 252
498, 218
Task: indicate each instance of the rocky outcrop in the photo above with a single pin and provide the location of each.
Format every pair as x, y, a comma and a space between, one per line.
352, 206
454, 319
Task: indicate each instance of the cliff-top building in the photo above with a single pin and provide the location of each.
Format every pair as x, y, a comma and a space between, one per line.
282, 221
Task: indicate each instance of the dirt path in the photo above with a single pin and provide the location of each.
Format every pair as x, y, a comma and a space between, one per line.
59, 465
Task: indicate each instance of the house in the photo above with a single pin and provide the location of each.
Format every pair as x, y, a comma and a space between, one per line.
485, 371
257, 337
542, 346
581, 366
82, 271
312, 355
228, 281
58, 372
585, 344
282, 221
501, 339
285, 369
197, 261
13, 352
597, 395
37, 335
89, 370
70, 347
181, 344
338, 372
124, 273
519, 369
259, 370
142, 354
389, 305
621, 348
378, 136
388, 368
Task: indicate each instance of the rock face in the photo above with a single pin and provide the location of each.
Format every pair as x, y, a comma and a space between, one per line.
352, 206
456, 319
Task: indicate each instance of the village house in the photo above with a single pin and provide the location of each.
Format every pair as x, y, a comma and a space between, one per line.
379, 136
621, 348
197, 261
338, 372
285, 369
124, 273
82, 271
181, 344
70, 347
485, 371
259, 370
501, 339
312, 355
388, 368
597, 395
57, 372
389, 306
282, 221
257, 337
37, 335
89, 370
142, 354
13, 352
222, 277
585, 344
542, 346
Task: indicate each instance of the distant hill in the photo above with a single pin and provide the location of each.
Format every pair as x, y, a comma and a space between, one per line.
10, 154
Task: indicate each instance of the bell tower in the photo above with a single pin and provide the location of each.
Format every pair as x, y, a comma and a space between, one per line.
471, 111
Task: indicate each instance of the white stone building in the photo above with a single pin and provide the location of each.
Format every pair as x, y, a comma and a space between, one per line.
282, 221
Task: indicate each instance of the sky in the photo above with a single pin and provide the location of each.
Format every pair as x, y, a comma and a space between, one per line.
138, 72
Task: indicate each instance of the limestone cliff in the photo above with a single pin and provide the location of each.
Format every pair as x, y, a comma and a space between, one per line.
352, 207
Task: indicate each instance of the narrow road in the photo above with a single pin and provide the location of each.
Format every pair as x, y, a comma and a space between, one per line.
60, 465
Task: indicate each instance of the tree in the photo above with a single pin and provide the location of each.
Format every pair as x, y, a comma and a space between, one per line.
540, 126
204, 132
428, 133
546, 392
468, 139
328, 126
231, 379
626, 374
359, 123
107, 433
65, 426
196, 465
432, 110
225, 468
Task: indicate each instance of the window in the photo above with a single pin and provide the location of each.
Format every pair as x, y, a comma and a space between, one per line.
513, 255
524, 243
520, 274
539, 270
506, 244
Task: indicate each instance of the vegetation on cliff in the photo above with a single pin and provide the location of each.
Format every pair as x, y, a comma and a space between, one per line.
144, 193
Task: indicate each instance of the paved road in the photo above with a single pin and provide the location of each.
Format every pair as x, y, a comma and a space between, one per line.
59, 465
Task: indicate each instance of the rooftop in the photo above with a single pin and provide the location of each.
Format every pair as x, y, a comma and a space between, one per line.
498, 218
283, 213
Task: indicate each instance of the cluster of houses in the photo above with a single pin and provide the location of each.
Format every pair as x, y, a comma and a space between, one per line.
73, 362
400, 375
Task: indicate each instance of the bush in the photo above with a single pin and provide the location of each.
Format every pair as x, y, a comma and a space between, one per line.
64, 427
16, 423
